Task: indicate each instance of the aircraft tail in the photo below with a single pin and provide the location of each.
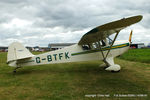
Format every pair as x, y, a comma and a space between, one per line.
16, 51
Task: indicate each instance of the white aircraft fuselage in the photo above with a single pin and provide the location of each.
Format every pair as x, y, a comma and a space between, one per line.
74, 53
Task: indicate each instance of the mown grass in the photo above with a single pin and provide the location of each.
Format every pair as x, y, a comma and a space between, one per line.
139, 55
72, 81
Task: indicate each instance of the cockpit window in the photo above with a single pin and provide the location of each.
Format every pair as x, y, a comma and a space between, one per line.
103, 43
96, 45
86, 47
110, 40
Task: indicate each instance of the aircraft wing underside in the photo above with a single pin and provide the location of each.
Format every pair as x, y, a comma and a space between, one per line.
103, 31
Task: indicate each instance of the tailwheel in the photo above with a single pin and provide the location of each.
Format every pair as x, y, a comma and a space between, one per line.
15, 70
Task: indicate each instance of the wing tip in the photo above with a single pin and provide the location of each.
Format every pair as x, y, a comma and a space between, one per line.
138, 18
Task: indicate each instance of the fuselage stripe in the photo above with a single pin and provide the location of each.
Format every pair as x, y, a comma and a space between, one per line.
103, 49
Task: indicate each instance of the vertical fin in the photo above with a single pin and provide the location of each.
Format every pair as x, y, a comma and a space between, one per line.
17, 51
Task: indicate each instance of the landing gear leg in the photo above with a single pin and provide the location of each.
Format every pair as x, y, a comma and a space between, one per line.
111, 66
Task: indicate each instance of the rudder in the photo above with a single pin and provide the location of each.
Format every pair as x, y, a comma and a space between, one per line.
16, 51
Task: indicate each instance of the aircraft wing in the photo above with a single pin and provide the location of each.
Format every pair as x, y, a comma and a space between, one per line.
103, 31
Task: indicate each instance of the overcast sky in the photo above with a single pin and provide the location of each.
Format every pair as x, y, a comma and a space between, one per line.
40, 22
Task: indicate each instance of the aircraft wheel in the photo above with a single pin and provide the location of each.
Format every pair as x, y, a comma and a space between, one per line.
14, 71
115, 71
114, 68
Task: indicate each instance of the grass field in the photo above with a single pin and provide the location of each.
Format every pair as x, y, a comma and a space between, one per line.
72, 81
139, 55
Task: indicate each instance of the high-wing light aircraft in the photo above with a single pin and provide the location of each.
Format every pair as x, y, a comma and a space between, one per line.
94, 45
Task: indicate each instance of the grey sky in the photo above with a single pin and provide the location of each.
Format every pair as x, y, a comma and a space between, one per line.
39, 22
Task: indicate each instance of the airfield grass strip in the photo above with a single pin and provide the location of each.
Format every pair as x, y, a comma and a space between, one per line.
72, 81
138, 55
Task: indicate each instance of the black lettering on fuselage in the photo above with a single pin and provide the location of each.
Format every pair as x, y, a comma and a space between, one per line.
55, 56
50, 58
67, 55
60, 56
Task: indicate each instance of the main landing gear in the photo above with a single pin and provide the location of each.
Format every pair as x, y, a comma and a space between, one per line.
111, 66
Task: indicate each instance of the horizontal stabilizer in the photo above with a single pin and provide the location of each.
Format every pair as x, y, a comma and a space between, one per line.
16, 51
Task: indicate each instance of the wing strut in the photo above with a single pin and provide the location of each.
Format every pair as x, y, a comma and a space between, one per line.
112, 44
101, 49
104, 57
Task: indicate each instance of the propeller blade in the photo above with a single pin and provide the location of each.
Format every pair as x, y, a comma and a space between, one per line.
130, 37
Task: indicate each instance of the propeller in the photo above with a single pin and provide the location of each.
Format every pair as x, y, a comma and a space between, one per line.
130, 37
